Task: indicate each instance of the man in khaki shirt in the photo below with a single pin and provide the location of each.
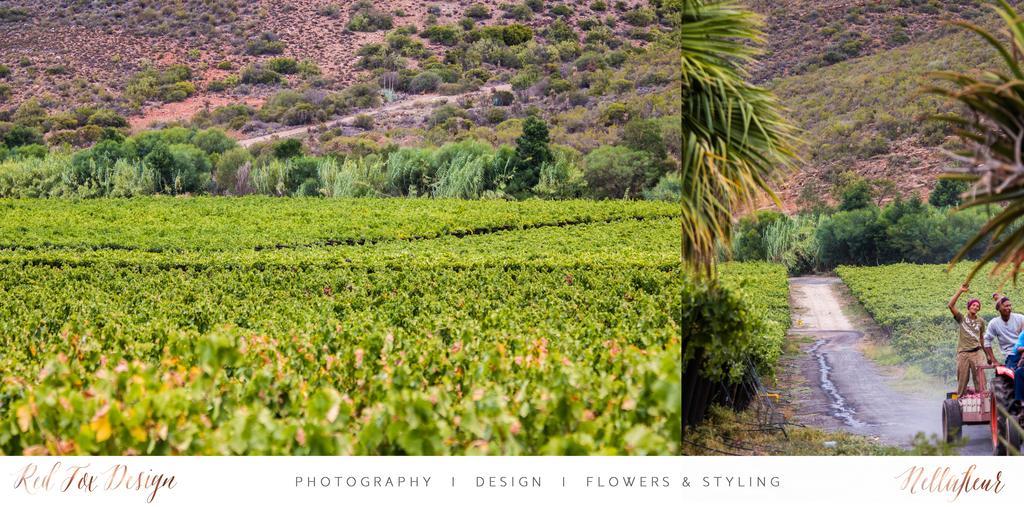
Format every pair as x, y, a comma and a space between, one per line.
969, 355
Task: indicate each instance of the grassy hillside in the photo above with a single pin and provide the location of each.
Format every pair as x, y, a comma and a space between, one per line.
804, 35
870, 115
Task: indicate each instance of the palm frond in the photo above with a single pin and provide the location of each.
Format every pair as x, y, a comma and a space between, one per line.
735, 138
992, 130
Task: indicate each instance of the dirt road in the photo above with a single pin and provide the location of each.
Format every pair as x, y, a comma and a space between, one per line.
417, 102
849, 392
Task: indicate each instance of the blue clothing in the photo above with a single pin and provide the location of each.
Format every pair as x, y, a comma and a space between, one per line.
1018, 376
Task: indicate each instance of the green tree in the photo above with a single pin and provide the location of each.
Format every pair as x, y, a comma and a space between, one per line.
856, 194
645, 135
947, 193
615, 172
532, 151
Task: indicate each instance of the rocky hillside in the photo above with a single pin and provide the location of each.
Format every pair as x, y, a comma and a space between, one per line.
160, 61
851, 73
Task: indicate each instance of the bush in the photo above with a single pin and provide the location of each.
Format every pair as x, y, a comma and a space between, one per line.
107, 118
213, 141
749, 235
851, 237
560, 31
425, 82
640, 17
516, 34
645, 135
14, 135
947, 193
329, 10
283, 65
904, 231
441, 34
561, 178
355, 177
502, 98
30, 151
255, 74
367, 18
443, 113
363, 121
33, 177
616, 113
494, 116
478, 11
188, 170
226, 174
669, 188
856, 194
132, 178
308, 68
520, 12
168, 85
287, 148
561, 10
266, 44
615, 172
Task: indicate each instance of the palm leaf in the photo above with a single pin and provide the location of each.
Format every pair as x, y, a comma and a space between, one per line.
992, 129
734, 136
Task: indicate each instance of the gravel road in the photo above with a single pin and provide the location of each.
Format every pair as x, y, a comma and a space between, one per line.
850, 392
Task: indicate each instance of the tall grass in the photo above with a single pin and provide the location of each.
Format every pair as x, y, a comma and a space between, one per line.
409, 171
34, 177
355, 177
271, 177
133, 178
463, 176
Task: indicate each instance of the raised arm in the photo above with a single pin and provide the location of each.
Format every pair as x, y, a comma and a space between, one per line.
952, 302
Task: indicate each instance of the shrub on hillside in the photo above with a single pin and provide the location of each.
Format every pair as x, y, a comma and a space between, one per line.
478, 11
516, 34
168, 85
266, 43
441, 34
257, 74
425, 82
367, 18
283, 65
17, 134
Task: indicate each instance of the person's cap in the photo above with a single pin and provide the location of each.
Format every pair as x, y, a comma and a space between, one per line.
1004, 298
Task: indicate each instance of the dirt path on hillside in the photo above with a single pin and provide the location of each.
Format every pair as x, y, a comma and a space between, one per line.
844, 390
417, 102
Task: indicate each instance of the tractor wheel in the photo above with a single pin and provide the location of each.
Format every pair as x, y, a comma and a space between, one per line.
952, 420
1002, 396
1012, 436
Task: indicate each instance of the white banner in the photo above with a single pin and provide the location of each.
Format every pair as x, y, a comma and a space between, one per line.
508, 481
